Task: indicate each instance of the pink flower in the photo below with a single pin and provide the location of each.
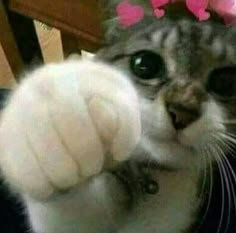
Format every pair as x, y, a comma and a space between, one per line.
198, 8
226, 9
157, 4
130, 14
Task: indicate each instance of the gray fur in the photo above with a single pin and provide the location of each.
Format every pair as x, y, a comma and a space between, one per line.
190, 49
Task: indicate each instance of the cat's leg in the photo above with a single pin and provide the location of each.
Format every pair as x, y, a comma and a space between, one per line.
65, 124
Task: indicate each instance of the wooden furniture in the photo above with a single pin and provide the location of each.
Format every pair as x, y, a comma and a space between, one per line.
78, 20
8, 43
81, 18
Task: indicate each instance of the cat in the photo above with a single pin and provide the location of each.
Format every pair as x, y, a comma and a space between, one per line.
174, 78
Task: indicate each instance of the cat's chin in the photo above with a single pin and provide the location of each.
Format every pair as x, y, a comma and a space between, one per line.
175, 154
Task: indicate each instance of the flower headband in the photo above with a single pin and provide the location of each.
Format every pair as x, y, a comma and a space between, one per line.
130, 14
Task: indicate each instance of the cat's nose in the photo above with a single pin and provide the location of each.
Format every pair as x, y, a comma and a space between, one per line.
182, 116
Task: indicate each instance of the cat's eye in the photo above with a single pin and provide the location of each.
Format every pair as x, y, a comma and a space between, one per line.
222, 82
147, 65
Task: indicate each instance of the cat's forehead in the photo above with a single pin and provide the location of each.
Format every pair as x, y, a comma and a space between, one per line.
168, 34
188, 46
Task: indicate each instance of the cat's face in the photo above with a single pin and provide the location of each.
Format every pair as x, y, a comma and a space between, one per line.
185, 74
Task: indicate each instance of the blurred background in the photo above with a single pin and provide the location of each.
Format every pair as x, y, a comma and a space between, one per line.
41, 31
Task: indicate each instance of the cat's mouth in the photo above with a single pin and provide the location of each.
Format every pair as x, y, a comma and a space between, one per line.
177, 144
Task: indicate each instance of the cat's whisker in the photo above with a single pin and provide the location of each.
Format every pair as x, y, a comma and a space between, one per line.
228, 182
232, 136
232, 178
217, 159
228, 137
231, 173
228, 146
225, 143
208, 164
204, 181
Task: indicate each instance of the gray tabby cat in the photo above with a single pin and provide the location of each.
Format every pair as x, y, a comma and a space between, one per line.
182, 73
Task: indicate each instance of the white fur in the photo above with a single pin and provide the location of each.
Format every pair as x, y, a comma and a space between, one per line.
67, 123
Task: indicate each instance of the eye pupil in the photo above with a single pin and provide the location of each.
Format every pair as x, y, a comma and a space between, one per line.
222, 82
146, 64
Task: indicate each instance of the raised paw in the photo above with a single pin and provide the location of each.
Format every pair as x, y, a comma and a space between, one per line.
65, 123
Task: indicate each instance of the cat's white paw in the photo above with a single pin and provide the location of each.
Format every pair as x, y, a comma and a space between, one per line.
65, 123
